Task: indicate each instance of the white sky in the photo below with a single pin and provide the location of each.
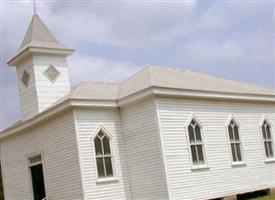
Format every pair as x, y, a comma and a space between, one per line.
115, 39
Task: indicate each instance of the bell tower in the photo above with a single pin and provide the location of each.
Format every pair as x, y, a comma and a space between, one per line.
42, 69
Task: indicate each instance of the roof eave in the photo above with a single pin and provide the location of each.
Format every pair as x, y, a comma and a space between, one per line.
30, 50
147, 92
162, 91
66, 104
38, 118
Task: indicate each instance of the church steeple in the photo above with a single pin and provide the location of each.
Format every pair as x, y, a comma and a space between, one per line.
42, 69
39, 35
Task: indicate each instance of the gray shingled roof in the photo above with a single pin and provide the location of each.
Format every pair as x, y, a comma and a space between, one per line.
165, 77
38, 35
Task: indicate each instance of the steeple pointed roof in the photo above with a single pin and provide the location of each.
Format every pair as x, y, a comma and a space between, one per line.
38, 35
39, 39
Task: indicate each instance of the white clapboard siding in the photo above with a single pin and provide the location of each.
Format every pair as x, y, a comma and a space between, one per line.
88, 121
56, 140
49, 92
221, 179
142, 142
41, 92
28, 97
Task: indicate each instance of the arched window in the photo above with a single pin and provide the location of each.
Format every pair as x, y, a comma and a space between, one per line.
268, 143
104, 158
196, 143
235, 141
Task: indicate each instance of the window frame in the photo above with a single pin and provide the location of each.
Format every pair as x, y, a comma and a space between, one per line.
25, 74
29, 165
267, 159
235, 163
109, 136
198, 122
52, 79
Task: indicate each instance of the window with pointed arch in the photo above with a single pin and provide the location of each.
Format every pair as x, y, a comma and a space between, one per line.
196, 143
104, 157
268, 143
235, 141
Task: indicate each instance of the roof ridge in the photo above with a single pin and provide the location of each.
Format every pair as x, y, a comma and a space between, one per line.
38, 32
134, 74
149, 67
145, 69
75, 91
30, 31
100, 82
213, 76
228, 79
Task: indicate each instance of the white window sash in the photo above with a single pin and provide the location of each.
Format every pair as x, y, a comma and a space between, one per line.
103, 156
235, 142
196, 143
267, 140
269, 153
236, 153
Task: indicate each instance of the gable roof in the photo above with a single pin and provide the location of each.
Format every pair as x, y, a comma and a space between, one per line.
39, 35
151, 77
166, 77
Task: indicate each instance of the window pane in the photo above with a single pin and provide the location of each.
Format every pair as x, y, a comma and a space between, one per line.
264, 133
193, 122
239, 152
236, 133
198, 133
100, 168
100, 134
230, 133
109, 168
270, 147
233, 152
268, 134
200, 154
191, 134
98, 148
266, 149
106, 146
194, 155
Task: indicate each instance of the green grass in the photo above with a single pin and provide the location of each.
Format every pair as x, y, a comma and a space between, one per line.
272, 197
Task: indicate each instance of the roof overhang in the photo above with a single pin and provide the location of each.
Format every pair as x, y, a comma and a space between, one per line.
31, 50
222, 96
52, 111
138, 96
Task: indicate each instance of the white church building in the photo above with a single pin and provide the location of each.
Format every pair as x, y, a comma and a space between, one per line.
162, 134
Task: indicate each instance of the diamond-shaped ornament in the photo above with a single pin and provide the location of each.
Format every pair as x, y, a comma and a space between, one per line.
25, 78
52, 73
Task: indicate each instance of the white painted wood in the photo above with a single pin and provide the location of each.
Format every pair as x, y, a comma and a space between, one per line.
28, 97
144, 158
221, 178
235, 163
88, 122
56, 140
150, 149
49, 92
41, 92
